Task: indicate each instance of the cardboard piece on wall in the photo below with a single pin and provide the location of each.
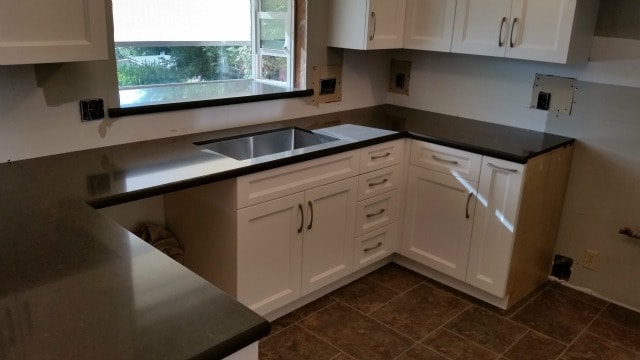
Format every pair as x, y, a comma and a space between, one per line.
561, 89
327, 84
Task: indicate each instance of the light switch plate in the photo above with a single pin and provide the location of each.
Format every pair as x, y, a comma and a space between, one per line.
561, 89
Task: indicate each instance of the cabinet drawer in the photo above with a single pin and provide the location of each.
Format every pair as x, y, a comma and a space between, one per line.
374, 246
447, 160
286, 180
382, 155
376, 212
378, 182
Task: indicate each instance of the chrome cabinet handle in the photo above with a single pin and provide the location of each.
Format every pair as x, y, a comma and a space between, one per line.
376, 213
466, 209
436, 158
511, 43
492, 165
500, 41
376, 157
377, 246
373, 34
311, 219
301, 218
384, 181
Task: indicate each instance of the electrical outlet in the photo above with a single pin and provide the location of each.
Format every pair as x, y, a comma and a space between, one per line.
91, 109
590, 258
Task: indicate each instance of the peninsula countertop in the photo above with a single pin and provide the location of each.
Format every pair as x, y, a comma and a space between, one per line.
75, 284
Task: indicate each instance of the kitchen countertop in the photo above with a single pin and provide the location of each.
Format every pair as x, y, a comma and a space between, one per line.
75, 284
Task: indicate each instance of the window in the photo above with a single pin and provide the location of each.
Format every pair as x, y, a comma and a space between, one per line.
193, 50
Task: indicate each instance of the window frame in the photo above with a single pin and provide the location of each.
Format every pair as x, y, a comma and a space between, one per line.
288, 90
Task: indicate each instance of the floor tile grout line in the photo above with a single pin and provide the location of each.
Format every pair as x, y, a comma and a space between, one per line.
619, 346
524, 305
586, 328
377, 321
324, 340
502, 354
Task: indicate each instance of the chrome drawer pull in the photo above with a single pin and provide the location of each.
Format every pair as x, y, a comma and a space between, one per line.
376, 214
513, 26
373, 34
301, 218
500, 42
384, 181
376, 157
501, 168
311, 212
436, 158
373, 247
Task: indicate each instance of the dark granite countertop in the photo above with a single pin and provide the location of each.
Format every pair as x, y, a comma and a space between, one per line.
74, 284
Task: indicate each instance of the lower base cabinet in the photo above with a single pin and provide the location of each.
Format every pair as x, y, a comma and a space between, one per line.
438, 220
269, 254
496, 234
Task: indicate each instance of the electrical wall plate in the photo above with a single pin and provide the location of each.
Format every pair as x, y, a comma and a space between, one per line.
560, 89
327, 84
399, 76
91, 109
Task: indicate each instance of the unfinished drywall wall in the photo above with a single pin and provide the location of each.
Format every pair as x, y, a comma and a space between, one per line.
36, 122
603, 193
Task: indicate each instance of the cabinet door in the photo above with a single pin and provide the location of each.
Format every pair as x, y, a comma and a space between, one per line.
329, 234
71, 30
481, 27
269, 253
429, 24
494, 226
541, 29
385, 24
438, 220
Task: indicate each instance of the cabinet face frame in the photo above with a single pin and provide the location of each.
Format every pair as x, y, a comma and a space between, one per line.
72, 31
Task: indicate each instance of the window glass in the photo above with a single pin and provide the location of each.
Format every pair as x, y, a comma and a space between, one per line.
161, 42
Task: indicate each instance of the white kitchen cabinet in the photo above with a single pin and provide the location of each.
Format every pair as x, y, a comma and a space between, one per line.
366, 24
494, 229
72, 30
429, 24
270, 253
291, 246
270, 237
438, 220
328, 234
485, 226
559, 31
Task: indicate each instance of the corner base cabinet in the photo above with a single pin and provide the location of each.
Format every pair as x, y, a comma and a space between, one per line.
485, 222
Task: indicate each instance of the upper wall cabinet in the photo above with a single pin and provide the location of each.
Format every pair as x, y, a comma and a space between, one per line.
559, 31
429, 24
366, 24
33, 31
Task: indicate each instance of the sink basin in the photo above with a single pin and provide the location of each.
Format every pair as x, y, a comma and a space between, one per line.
265, 143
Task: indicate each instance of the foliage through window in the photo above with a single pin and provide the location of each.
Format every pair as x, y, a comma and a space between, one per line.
194, 41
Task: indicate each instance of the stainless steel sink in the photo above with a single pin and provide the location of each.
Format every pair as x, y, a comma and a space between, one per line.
265, 143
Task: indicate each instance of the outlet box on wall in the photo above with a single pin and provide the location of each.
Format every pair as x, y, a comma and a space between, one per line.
553, 93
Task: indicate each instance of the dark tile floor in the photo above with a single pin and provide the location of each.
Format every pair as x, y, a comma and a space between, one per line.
394, 313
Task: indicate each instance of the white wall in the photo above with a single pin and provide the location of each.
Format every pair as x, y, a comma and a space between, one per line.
499, 90
29, 127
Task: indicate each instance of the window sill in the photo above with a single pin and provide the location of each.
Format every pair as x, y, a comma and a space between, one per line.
152, 99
